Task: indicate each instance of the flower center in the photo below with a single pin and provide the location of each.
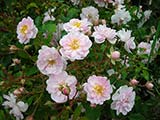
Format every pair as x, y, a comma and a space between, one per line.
51, 62
77, 24
64, 89
74, 45
23, 29
98, 89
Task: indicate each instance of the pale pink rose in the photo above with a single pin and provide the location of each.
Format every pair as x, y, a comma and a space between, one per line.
16, 107
49, 61
115, 55
48, 15
130, 44
149, 85
98, 89
123, 100
91, 13
77, 25
125, 36
75, 46
121, 16
26, 30
102, 32
144, 48
61, 87
133, 82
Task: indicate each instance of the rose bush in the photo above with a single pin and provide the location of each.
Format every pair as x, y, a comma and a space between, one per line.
80, 60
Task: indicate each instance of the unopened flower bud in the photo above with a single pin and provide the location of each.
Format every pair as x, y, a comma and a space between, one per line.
133, 82
149, 85
1, 83
23, 81
18, 91
93, 105
103, 21
115, 55
66, 91
30, 117
96, 22
16, 61
26, 47
13, 48
89, 33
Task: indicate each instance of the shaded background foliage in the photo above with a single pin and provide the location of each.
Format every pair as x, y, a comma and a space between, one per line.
26, 74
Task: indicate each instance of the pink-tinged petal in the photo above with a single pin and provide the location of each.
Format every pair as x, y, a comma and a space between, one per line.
103, 33
75, 46
98, 89
49, 61
26, 30
61, 87
123, 100
77, 25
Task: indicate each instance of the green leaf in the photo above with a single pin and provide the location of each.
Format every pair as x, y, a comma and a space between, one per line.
49, 27
154, 42
72, 13
1, 99
2, 117
83, 118
32, 5
38, 21
92, 113
31, 71
77, 112
64, 115
136, 117
23, 54
145, 74
103, 47
124, 75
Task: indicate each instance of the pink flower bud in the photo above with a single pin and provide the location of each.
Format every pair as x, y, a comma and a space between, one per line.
13, 48
66, 91
93, 105
18, 91
149, 85
96, 22
103, 21
30, 117
133, 82
16, 61
115, 55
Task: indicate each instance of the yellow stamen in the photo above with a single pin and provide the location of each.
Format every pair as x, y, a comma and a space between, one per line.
23, 29
77, 24
98, 89
74, 45
51, 62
